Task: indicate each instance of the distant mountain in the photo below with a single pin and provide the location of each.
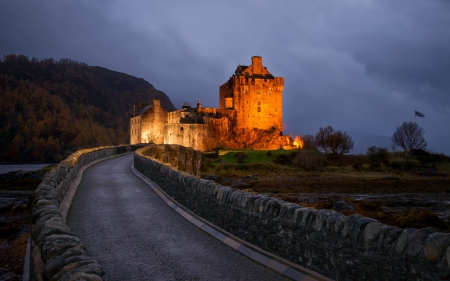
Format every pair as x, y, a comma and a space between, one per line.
50, 109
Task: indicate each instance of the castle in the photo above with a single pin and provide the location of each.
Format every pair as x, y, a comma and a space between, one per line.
249, 116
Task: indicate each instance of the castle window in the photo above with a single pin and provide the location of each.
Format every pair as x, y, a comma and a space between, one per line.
181, 129
259, 109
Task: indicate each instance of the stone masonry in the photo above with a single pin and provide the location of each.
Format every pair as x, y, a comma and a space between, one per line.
56, 253
337, 246
250, 115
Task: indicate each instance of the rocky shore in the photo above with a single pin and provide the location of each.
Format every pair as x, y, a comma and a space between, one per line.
15, 221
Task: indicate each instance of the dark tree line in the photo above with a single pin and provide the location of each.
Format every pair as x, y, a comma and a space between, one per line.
49, 109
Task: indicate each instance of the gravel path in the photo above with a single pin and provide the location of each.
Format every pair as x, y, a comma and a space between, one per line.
136, 236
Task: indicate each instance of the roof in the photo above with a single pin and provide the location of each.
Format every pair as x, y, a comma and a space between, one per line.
240, 69
142, 110
247, 71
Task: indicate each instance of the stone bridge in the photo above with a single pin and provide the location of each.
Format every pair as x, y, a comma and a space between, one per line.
148, 216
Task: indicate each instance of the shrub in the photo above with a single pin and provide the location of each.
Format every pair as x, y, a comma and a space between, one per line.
269, 153
309, 161
357, 166
378, 155
397, 165
375, 166
240, 156
283, 159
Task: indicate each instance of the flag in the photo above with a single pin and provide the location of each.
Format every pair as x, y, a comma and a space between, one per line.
419, 114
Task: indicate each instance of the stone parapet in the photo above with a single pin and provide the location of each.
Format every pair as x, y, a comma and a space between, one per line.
181, 158
337, 246
56, 253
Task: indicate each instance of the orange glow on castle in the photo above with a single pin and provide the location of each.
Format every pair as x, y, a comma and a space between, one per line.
249, 116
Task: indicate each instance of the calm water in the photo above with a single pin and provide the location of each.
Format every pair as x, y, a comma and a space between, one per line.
4, 168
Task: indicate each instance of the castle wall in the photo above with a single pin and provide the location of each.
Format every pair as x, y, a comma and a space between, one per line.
192, 135
256, 96
251, 99
148, 127
219, 131
258, 102
135, 129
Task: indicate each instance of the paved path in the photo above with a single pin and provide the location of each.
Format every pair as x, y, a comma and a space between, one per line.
136, 236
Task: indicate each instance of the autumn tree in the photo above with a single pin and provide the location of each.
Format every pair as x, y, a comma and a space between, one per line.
49, 109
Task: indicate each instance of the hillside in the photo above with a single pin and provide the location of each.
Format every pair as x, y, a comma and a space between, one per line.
50, 109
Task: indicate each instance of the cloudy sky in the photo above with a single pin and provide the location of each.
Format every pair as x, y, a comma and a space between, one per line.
361, 66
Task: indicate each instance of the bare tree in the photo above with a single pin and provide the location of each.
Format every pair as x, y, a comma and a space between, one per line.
409, 136
340, 143
336, 142
323, 138
309, 142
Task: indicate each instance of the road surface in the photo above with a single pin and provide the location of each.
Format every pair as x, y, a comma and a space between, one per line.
136, 236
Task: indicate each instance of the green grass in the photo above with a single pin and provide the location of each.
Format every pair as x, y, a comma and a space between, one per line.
254, 156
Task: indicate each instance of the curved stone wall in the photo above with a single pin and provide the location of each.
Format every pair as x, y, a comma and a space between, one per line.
337, 246
56, 253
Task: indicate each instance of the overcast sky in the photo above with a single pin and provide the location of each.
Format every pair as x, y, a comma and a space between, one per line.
359, 66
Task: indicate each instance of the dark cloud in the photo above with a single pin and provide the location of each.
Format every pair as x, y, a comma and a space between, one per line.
359, 66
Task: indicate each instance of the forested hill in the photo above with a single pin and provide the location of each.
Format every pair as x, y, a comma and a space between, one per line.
50, 109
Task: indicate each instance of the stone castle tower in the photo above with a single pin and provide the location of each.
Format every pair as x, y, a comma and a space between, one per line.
256, 95
249, 116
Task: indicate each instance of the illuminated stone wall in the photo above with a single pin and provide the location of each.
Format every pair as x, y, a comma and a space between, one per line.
250, 109
135, 129
191, 135
148, 127
256, 95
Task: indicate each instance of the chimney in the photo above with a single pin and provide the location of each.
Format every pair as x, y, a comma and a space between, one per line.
156, 103
135, 109
199, 106
257, 64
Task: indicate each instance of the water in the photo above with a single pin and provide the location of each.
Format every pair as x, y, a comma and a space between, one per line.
4, 168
